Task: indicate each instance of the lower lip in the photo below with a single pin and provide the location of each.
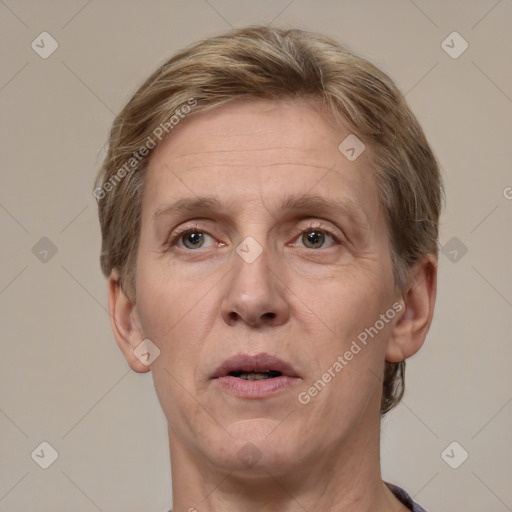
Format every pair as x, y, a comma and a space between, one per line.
254, 388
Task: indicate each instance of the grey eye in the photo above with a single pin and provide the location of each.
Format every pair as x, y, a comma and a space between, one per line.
193, 239
313, 239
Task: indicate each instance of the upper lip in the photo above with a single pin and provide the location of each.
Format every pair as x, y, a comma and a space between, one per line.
261, 362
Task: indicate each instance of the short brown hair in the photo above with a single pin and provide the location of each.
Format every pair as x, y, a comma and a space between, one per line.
273, 64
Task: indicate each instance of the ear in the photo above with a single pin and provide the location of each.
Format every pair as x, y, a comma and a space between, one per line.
125, 323
410, 330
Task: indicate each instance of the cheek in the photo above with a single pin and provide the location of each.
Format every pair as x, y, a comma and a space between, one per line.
347, 380
174, 316
181, 315
349, 300
344, 321
165, 297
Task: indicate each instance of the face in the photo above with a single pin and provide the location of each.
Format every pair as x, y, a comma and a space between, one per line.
260, 241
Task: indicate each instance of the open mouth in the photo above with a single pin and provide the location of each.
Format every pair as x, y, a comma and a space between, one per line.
254, 376
270, 374
254, 367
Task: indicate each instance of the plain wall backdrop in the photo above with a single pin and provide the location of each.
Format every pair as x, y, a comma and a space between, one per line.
63, 380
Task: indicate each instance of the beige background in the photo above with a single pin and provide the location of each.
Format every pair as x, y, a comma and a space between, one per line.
63, 379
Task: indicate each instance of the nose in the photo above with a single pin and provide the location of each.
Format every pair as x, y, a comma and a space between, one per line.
254, 294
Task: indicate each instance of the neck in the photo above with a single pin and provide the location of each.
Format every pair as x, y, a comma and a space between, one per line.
346, 477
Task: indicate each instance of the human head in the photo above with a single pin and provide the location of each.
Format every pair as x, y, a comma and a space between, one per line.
274, 64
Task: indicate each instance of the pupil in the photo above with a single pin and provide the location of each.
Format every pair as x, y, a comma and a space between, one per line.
195, 239
314, 238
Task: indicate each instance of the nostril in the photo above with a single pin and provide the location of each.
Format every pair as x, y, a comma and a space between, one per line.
234, 317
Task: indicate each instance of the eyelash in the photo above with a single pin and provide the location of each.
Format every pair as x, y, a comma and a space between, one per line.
174, 238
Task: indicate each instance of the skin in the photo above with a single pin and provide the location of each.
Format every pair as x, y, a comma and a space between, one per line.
302, 302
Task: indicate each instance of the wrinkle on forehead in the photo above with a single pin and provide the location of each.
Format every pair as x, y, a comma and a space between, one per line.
268, 147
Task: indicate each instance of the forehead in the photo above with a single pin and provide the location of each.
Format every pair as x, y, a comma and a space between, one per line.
244, 150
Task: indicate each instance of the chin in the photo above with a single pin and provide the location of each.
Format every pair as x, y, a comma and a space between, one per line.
255, 448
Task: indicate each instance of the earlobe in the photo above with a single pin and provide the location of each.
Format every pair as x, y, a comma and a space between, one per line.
125, 323
410, 330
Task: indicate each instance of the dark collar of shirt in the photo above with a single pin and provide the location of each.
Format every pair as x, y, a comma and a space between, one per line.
404, 498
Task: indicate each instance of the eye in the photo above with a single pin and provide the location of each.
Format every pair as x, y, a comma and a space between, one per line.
315, 238
190, 239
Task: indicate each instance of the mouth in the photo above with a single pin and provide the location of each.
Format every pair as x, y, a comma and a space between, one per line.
254, 367
254, 376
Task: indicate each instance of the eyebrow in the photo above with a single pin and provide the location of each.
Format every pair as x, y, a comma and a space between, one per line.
210, 204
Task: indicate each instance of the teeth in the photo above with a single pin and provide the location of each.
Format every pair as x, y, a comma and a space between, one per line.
255, 375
